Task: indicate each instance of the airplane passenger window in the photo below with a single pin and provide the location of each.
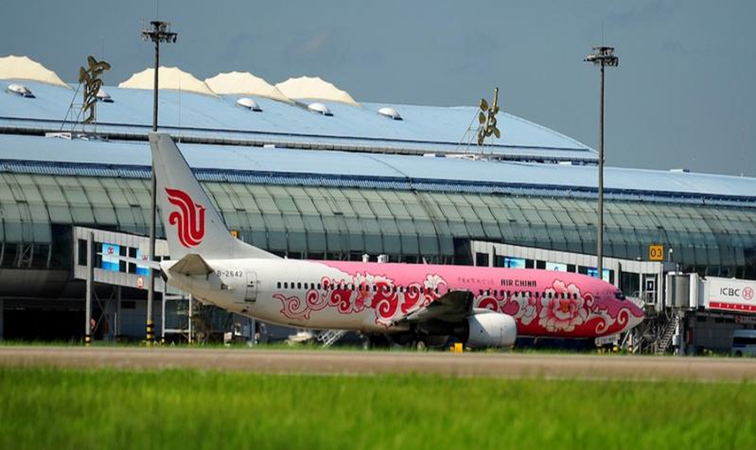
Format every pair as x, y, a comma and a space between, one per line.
299, 285
286, 285
318, 286
279, 285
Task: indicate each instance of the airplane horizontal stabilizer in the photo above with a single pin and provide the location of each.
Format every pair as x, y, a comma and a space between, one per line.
191, 264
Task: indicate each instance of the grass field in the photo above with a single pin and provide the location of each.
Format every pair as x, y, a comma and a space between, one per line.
49, 408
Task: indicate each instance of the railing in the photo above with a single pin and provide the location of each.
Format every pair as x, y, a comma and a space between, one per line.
328, 338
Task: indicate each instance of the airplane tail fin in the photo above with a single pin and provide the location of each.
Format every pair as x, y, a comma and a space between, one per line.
191, 222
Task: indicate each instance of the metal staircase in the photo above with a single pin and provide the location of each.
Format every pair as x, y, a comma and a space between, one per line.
669, 332
329, 337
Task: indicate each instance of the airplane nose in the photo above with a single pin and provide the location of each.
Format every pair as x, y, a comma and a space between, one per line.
636, 317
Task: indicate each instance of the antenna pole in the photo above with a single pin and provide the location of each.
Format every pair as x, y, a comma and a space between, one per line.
160, 32
602, 56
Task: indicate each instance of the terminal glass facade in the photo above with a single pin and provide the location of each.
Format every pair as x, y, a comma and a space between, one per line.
345, 222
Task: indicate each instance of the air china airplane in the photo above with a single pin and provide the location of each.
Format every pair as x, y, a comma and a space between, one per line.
414, 303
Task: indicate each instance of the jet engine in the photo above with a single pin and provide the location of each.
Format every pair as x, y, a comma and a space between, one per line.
491, 329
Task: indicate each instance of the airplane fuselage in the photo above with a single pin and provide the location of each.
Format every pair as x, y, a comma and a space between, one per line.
375, 297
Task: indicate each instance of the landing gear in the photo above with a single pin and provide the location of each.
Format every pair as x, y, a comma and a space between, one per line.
375, 341
420, 345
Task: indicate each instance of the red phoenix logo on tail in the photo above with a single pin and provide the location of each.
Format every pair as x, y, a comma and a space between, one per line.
189, 219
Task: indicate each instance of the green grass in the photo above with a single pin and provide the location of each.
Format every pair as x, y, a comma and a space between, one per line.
50, 408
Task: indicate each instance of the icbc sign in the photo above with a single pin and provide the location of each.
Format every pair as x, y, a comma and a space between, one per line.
731, 294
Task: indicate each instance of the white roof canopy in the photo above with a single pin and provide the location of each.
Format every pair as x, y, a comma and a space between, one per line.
314, 88
244, 83
23, 68
170, 78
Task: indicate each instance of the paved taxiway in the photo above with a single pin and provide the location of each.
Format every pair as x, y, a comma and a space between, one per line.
355, 362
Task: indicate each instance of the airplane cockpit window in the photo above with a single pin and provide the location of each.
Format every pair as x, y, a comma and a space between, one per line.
619, 295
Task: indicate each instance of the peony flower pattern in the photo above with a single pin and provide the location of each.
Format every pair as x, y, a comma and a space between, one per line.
563, 311
563, 308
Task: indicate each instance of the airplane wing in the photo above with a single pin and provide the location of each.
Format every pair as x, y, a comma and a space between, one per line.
453, 306
191, 264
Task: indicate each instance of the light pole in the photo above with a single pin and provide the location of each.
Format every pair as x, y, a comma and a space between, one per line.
602, 56
157, 33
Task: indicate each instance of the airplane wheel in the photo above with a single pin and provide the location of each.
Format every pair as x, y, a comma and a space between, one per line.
738, 354
420, 345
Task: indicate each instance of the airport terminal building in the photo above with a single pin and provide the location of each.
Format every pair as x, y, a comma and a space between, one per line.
304, 171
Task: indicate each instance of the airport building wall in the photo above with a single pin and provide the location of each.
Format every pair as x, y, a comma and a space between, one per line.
344, 223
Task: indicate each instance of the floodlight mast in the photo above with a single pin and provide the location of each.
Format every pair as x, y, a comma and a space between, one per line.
159, 32
602, 56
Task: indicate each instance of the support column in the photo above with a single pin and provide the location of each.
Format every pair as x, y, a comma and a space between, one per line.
117, 327
191, 317
162, 314
88, 298
2, 307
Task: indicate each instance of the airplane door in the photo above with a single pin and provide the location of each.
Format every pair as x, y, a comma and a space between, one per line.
250, 292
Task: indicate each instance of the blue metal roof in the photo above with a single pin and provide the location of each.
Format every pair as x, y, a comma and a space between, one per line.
34, 154
423, 128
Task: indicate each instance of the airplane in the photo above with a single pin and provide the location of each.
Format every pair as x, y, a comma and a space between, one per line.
417, 304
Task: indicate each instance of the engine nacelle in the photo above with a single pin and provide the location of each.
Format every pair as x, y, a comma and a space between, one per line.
491, 329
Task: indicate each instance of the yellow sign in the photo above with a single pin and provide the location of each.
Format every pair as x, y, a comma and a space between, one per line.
656, 252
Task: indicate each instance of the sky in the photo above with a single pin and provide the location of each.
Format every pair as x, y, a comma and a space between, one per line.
682, 97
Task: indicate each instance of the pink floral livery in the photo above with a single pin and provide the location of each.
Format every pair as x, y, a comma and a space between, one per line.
562, 310
354, 294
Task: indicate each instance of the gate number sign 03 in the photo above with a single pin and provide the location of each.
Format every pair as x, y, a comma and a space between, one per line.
656, 252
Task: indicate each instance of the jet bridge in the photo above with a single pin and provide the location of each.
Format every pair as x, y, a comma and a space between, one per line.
121, 311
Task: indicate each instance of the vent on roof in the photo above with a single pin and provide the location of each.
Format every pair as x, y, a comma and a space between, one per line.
390, 112
20, 90
319, 108
248, 103
104, 96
